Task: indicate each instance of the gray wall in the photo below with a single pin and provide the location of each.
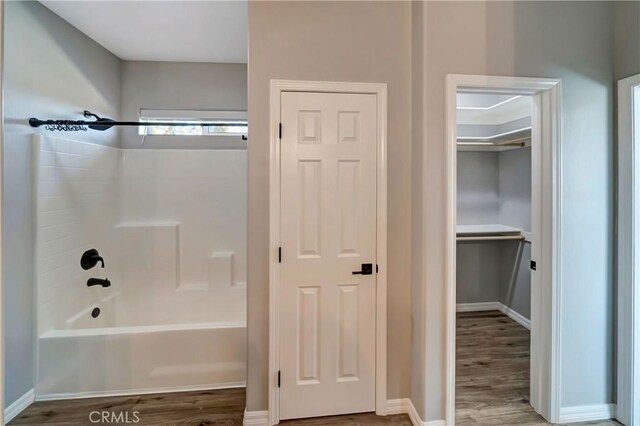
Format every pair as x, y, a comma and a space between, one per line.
515, 210
478, 272
554, 40
494, 187
447, 49
514, 186
478, 188
51, 71
478, 264
331, 41
418, 301
176, 86
516, 295
568, 40
627, 38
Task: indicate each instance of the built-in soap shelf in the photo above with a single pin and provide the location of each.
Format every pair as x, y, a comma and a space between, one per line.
152, 252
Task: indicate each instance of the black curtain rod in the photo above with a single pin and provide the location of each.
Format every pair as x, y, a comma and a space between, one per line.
106, 123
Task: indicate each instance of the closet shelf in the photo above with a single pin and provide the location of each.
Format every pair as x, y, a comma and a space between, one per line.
489, 232
509, 140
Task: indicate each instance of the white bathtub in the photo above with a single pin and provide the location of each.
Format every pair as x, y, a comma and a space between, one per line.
174, 317
76, 363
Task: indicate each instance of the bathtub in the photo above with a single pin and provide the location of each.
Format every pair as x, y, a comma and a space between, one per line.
100, 361
174, 317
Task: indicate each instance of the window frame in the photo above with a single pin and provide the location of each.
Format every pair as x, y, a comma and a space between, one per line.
192, 115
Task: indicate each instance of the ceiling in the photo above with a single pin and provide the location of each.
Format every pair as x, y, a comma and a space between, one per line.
489, 109
147, 30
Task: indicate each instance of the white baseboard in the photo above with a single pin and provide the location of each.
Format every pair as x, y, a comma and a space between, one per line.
19, 406
586, 413
405, 406
526, 323
477, 307
398, 406
494, 306
256, 418
146, 391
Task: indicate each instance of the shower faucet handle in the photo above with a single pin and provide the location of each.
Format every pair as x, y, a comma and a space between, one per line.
90, 258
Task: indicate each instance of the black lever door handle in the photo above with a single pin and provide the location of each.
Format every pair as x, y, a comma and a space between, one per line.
365, 269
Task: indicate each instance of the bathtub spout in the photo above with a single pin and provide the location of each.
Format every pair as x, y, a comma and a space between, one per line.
98, 281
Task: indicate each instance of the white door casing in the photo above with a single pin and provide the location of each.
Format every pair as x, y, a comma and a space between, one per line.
546, 318
2, 402
536, 253
328, 230
628, 232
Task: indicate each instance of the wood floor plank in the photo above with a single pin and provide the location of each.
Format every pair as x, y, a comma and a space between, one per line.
492, 372
215, 407
369, 419
492, 389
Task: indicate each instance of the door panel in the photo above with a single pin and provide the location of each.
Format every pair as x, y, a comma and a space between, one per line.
328, 229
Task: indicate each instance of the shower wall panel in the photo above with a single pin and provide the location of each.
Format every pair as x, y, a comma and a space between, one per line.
77, 203
170, 224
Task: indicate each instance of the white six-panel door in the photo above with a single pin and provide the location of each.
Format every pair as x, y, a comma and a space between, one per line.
327, 315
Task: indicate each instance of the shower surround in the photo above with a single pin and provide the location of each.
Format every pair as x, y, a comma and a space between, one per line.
171, 226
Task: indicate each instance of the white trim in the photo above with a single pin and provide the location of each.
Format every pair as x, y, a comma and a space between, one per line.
2, 359
145, 391
137, 329
494, 306
478, 307
398, 406
255, 418
496, 105
190, 114
519, 318
546, 318
405, 406
488, 138
587, 413
380, 90
628, 235
18, 406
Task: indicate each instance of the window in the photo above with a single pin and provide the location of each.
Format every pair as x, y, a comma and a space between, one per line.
231, 123
241, 129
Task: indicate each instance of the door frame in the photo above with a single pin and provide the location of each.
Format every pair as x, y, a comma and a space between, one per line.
2, 375
380, 90
545, 309
628, 234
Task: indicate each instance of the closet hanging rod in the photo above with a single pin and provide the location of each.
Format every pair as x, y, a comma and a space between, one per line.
492, 145
106, 123
521, 142
492, 238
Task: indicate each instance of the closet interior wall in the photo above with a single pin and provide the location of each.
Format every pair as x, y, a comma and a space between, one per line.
494, 188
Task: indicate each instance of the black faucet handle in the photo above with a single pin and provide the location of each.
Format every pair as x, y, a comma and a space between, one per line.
90, 258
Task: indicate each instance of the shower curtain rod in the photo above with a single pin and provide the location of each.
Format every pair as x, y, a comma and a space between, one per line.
106, 123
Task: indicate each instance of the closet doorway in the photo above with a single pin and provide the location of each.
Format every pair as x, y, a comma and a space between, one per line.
502, 247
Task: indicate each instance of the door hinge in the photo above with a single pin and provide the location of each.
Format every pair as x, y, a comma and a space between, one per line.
279, 254
280, 130
377, 269
279, 377
533, 265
